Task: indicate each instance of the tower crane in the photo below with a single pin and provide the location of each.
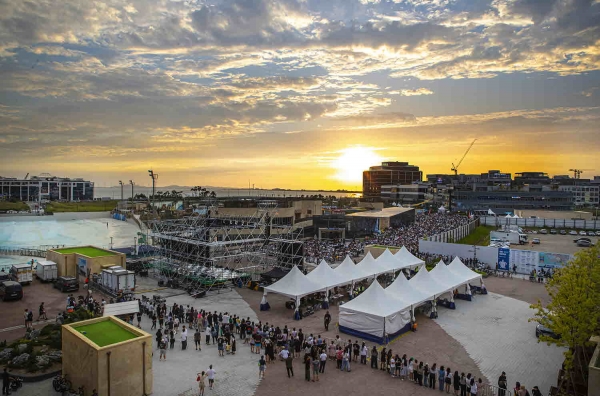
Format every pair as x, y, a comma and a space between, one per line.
455, 167
577, 172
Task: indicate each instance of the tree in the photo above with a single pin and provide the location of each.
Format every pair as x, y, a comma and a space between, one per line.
574, 312
213, 194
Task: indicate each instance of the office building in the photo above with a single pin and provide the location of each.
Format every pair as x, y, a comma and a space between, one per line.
388, 173
405, 193
521, 199
46, 187
522, 178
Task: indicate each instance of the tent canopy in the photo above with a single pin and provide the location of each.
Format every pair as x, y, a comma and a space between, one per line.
390, 262
326, 276
369, 265
424, 282
350, 271
442, 274
407, 258
402, 288
294, 284
457, 267
375, 301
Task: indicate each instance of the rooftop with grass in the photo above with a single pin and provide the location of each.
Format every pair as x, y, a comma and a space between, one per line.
88, 251
105, 333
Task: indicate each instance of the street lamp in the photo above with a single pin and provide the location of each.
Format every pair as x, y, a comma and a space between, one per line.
154, 177
131, 182
121, 184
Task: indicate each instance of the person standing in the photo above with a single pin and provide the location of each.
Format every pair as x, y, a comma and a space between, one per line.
502, 384
463, 385
307, 364
201, 384
162, 344
207, 333
363, 353
346, 360
5, 382
42, 312
315, 369
374, 357
456, 382
210, 373
289, 365
262, 365
197, 339
184, 334
473, 387
323, 358
158, 337
153, 322
327, 320
441, 378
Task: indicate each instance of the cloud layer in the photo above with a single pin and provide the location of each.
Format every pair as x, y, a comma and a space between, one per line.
111, 84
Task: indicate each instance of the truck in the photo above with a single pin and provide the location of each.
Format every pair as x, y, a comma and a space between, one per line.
22, 273
118, 279
514, 238
512, 228
46, 271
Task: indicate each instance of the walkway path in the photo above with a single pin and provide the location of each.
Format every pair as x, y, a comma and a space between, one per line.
495, 331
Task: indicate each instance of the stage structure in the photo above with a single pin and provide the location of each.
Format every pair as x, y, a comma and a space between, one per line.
208, 250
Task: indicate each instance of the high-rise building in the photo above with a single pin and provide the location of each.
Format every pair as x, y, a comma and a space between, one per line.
387, 174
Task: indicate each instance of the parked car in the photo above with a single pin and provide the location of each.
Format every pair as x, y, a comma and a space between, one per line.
11, 290
582, 233
591, 233
563, 232
543, 330
543, 231
597, 233
572, 232
584, 243
66, 283
582, 239
535, 241
553, 231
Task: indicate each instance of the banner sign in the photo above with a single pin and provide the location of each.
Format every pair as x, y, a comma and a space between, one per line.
504, 259
553, 260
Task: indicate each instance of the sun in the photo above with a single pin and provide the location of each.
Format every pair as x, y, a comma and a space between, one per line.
352, 161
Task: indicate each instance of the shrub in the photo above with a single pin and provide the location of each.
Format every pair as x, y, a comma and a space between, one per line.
49, 329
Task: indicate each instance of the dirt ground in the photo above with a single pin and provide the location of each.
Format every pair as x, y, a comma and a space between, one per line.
430, 344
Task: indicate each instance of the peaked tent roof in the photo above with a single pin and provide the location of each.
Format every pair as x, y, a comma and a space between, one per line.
406, 291
457, 267
294, 284
407, 258
350, 271
442, 274
389, 261
375, 301
370, 265
326, 276
424, 282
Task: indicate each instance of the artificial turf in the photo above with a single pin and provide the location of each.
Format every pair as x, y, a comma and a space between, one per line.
105, 333
86, 251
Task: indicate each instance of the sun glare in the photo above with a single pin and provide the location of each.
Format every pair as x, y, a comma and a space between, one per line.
352, 161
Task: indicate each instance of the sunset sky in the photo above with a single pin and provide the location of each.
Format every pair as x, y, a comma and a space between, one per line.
296, 93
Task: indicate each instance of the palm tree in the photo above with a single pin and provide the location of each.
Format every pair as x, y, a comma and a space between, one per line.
213, 194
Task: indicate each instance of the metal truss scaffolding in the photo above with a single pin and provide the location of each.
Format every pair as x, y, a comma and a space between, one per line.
208, 249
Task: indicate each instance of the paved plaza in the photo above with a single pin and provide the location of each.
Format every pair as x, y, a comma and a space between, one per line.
495, 331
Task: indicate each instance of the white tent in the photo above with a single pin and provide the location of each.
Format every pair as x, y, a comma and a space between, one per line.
369, 265
491, 212
457, 267
442, 274
350, 271
515, 216
508, 216
441, 209
294, 284
389, 261
326, 276
374, 314
407, 258
402, 288
424, 282
122, 308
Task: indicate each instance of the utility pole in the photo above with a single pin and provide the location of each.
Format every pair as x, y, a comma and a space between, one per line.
131, 182
121, 184
154, 177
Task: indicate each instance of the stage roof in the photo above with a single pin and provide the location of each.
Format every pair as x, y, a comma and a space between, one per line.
385, 212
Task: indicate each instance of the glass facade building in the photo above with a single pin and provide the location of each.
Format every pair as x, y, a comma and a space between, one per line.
387, 174
49, 188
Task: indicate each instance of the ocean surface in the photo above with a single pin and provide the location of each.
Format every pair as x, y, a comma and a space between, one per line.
115, 192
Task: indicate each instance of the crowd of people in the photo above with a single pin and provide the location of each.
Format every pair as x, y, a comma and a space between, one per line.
331, 250
272, 343
425, 225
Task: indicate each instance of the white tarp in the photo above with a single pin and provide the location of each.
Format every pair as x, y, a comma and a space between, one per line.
326, 276
122, 308
294, 284
424, 282
442, 274
457, 267
374, 312
370, 265
407, 258
402, 288
350, 271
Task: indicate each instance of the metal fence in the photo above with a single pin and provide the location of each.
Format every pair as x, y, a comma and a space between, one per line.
576, 224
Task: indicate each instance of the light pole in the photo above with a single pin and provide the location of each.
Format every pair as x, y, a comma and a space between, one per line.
121, 184
131, 182
154, 177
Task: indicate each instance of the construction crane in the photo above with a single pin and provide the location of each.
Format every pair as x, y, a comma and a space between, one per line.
26, 176
577, 172
455, 167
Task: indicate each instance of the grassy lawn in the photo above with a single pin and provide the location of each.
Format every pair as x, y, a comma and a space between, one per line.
480, 236
86, 251
105, 333
5, 205
386, 247
93, 206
